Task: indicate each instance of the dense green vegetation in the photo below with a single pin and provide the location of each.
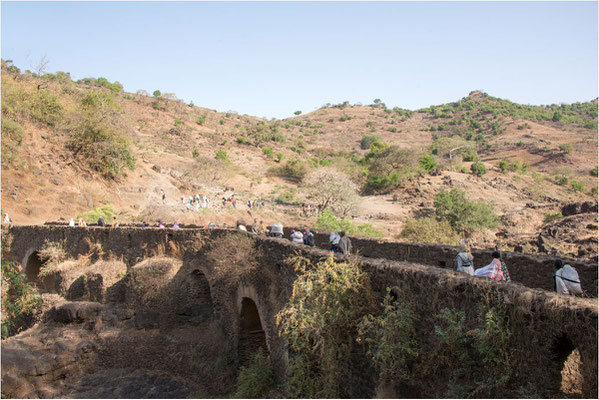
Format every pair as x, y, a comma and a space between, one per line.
464, 216
96, 137
455, 217
332, 313
320, 324
93, 125
106, 212
484, 113
328, 222
255, 380
20, 301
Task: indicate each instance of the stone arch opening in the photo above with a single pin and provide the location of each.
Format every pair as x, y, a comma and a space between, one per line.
197, 301
199, 288
568, 359
33, 266
32, 270
252, 337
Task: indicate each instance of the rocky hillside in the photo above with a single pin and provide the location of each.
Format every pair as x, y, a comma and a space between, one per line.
70, 147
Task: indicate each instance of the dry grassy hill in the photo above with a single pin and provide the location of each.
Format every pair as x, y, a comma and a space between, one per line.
69, 147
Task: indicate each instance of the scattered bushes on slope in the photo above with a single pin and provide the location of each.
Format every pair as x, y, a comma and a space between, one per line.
96, 139
12, 135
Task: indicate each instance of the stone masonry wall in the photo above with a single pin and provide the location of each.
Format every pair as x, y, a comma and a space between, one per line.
546, 317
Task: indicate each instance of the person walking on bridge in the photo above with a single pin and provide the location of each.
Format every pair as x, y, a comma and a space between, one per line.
464, 259
345, 244
566, 279
297, 237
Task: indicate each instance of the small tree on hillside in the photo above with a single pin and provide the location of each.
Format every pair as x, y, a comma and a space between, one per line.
329, 186
157, 93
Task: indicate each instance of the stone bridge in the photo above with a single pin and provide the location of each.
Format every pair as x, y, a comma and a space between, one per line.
551, 327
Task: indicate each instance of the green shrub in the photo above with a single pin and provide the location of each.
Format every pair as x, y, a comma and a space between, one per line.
222, 155
288, 196
106, 212
195, 153
280, 157
503, 165
12, 135
178, 122
255, 380
96, 138
157, 93
293, 170
552, 216
320, 323
469, 155
328, 222
480, 360
518, 165
427, 163
44, 107
21, 304
429, 230
298, 112
562, 180
391, 339
478, 168
268, 152
566, 148
557, 116
201, 119
393, 129
241, 140
576, 186
593, 172
463, 215
382, 184
221, 121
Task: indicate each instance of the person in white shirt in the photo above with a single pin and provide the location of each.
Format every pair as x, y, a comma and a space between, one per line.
297, 237
566, 279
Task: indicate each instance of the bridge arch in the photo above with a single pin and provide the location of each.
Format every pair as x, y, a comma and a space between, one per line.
199, 287
32, 265
252, 333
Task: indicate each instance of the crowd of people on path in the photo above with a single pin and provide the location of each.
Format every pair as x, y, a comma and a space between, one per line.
200, 201
338, 242
565, 278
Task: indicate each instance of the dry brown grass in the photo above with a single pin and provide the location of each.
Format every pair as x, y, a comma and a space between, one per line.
232, 257
148, 283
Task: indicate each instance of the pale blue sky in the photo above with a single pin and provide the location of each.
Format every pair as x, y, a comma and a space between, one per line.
270, 59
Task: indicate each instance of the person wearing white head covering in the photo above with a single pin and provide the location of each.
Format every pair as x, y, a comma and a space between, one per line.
567, 280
